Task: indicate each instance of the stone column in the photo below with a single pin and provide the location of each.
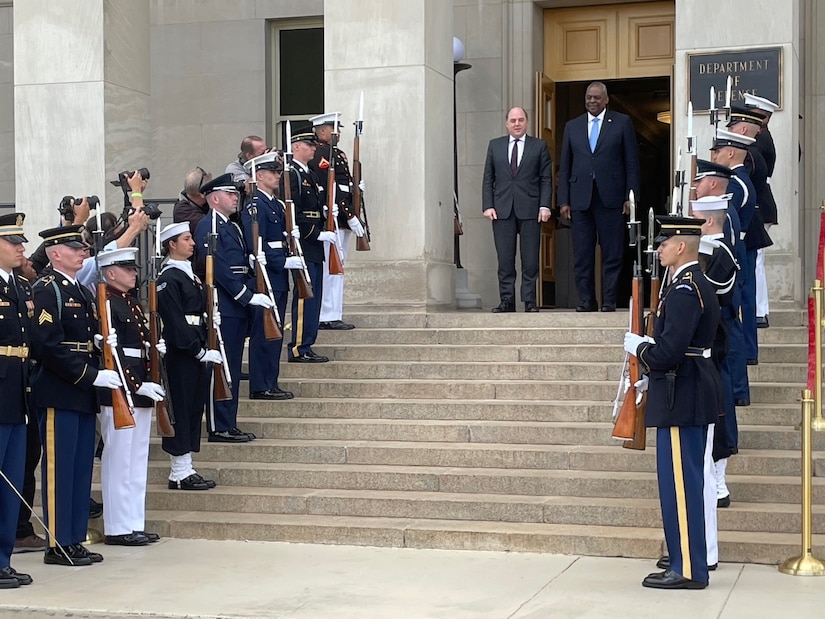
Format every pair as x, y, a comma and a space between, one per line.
81, 101
400, 55
778, 22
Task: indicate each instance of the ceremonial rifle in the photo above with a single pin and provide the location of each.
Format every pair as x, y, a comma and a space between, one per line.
271, 317
302, 279
336, 264
653, 271
362, 243
157, 371
630, 423
121, 398
220, 372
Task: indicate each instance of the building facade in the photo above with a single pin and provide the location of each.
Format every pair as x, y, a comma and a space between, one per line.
92, 87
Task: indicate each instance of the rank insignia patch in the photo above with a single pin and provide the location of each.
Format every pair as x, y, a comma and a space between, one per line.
44, 317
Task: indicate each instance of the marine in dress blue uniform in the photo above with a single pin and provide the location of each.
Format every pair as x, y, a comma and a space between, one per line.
682, 400
310, 221
265, 355
16, 311
182, 308
235, 286
63, 393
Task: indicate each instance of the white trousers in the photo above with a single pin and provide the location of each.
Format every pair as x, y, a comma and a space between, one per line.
332, 299
762, 304
124, 468
711, 532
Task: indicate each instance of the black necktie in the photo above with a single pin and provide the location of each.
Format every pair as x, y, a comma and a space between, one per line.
514, 158
12, 288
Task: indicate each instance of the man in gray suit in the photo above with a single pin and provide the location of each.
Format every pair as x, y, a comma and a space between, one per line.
516, 193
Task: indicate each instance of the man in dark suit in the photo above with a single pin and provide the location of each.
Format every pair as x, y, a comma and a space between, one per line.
516, 193
599, 166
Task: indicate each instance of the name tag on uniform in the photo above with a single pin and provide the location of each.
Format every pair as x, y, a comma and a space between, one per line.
72, 304
4, 303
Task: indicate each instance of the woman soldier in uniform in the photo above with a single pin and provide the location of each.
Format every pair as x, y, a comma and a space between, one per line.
181, 304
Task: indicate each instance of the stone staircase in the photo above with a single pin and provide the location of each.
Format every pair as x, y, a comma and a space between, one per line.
468, 430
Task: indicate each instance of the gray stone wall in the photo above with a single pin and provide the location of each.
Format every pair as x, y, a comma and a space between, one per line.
6, 105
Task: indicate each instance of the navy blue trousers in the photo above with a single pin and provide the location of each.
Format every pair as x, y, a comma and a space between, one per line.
607, 226
306, 313
223, 416
680, 453
68, 439
265, 355
748, 273
12, 463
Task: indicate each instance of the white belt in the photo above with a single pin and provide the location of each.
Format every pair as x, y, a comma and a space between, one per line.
195, 321
276, 244
136, 353
344, 188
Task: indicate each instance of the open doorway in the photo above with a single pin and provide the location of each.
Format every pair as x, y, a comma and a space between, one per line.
642, 99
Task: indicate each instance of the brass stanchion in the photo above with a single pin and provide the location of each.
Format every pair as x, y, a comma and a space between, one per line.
806, 564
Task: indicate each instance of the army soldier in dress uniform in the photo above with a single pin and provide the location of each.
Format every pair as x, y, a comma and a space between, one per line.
16, 310
326, 154
182, 307
124, 463
310, 220
235, 285
265, 355
65, 346
682, 399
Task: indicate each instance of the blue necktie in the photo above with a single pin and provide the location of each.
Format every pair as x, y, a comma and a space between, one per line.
594, 134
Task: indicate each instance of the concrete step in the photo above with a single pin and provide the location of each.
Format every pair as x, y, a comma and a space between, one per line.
476, 455
640, 542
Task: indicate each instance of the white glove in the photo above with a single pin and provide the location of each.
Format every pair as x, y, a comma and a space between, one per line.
296, 233
216, 319
107, 379
98, 340
327, 237
210, 356
361, 185
161, 347
632, 341
153, 391
111, 341
293, 262
355, 226
261, 300
335, 210
260, 257
641, 387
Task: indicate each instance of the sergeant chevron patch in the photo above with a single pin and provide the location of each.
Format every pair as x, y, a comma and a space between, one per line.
44, 317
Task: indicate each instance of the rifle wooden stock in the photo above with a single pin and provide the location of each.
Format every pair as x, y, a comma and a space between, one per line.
271, 329
336, 266
691, 189
163, 409
223, 390
123, 417
301, 281
362, 243
630, 423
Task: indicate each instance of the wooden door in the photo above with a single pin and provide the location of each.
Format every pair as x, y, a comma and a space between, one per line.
545, 128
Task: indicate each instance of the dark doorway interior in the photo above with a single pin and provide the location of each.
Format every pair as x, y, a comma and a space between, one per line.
641, 99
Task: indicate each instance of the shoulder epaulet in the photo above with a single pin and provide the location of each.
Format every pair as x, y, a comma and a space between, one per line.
25, 279
44, 281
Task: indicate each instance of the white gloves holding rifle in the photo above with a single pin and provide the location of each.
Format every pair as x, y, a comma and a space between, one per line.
261, 300
111, 340
632, 342
210, 356
355, 225
293, 262
260, 258
108, 379
153, 391
327, 237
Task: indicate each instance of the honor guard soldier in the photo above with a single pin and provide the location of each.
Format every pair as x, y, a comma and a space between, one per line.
124, 462
16, 310
328, 154
235, 285
770, 217
182, 308
682, 399
265, 355
310, 220
65, 346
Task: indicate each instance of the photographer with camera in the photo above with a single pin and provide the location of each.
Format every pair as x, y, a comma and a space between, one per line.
73, 211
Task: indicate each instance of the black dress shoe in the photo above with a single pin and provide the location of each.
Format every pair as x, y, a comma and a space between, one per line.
9, 572
269, 395
288, 395
308, 358
742, 402
664, 564
586, 307
335, 325
318, 358
55, 556
81, 551
762, 322
723, 502
239, 432
127, 539
531, 307
227, 437
152, 537
608, 307
671, 580
208, 482
9, 582
504, 307
193, 482
95, 508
